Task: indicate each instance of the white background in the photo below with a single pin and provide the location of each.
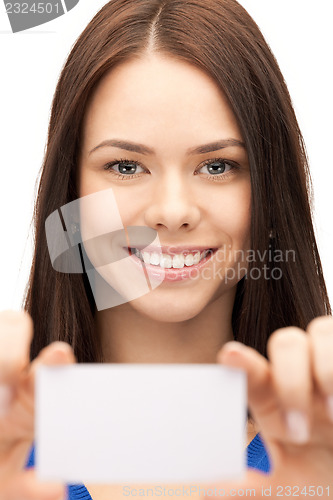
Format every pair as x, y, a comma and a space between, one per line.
300, 35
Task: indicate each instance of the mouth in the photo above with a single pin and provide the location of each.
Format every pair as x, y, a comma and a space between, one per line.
185, 270
176, 261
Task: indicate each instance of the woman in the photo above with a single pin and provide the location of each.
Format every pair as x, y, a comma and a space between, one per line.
221, 167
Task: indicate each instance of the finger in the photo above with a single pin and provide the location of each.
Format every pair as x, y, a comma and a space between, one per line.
56, 353
289, 352
16, 332
25, 486
320, 331
261, 399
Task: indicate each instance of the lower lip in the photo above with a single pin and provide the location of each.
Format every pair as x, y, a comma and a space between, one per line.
172, 274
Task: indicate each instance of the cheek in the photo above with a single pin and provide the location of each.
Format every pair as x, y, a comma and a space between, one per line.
128, 200
99, 215
89, 183
131, 203
231, 211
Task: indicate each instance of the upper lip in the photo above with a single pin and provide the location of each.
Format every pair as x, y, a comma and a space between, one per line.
172, 249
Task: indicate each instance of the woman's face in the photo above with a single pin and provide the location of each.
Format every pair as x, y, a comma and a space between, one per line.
194, 192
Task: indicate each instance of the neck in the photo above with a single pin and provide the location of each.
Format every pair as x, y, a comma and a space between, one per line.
127, 336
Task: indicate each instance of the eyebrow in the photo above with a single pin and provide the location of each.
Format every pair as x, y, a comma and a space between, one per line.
145, 150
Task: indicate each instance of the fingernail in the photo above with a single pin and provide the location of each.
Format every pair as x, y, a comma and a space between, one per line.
61, 347
232, 347
298, 426
5, 399
329, 406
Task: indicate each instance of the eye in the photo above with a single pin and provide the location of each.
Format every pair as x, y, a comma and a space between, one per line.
218, 167
124, 167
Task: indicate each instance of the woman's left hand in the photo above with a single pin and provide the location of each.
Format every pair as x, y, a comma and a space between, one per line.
290, 397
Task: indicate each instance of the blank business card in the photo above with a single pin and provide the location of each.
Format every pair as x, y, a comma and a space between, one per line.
140, 423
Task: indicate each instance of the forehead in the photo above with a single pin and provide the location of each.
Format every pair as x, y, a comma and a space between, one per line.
154, 95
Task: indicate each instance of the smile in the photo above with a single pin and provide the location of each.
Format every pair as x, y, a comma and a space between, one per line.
177, 261
155, 267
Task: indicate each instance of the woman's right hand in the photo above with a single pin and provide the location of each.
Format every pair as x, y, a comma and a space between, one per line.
17, 387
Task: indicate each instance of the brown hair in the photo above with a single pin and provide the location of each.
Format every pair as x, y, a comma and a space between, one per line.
220, 38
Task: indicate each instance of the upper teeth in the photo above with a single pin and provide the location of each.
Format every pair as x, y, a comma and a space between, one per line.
177, 261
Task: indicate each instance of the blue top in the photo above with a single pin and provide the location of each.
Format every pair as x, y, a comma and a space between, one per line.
257, 458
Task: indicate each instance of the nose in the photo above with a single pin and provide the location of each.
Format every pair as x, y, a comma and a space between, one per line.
172, 205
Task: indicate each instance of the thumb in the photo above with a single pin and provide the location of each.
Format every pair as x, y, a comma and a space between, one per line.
262, 398
259, 382
26, 485
56, 353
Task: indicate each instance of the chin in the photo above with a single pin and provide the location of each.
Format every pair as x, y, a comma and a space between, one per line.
166, 312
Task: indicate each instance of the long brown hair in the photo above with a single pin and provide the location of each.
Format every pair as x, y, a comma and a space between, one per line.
220, 38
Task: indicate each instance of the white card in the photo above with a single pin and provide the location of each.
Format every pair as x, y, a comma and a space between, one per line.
140, 423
